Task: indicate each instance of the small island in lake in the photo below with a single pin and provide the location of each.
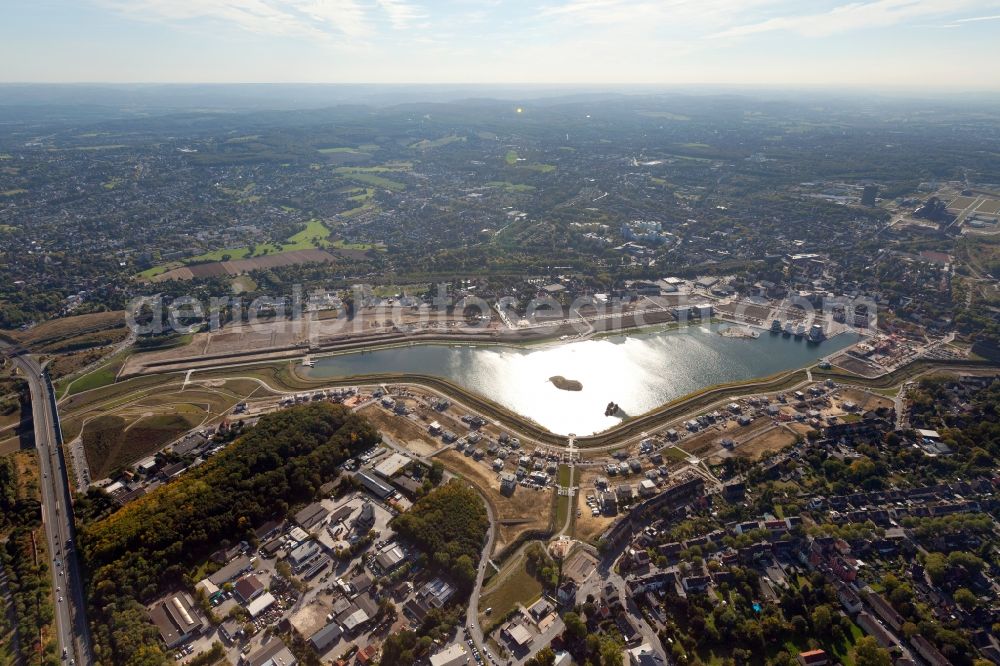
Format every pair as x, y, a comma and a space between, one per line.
561, 382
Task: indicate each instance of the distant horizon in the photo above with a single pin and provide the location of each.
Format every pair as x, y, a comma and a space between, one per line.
501, 91
593, 86
907, 44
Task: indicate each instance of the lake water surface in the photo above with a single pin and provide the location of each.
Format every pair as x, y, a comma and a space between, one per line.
639, 372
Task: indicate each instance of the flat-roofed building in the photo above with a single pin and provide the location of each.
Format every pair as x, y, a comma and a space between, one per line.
260, 604
392, 465
299, 557
453, 655
437, 592
540, 609
517, 634
508, 483
298, 536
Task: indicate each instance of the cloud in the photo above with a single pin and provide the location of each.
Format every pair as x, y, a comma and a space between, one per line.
660, 12
401, 14
979, 18
854, 16
320, 19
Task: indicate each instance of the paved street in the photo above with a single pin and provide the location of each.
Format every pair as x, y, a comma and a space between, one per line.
57, 515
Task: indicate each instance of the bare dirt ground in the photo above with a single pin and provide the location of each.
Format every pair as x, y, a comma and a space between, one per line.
9, 445
774, 439
852, 364
710, 439
238, 266
526, 509
402, 429
801, 428
586, 526
864, 400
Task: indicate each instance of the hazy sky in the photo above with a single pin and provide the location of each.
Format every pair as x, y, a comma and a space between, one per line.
910, 43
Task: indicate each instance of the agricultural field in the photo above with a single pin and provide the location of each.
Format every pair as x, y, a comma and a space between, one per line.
358, 247
62, 334
335, 150
315, 235
371, 176
243, 283
513, 159
360, 194
508, 186
238, 266
425, 144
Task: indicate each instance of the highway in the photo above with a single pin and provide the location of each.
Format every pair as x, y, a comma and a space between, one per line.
57, 515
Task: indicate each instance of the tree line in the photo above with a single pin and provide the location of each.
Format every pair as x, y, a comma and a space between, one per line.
451, 523
149, 546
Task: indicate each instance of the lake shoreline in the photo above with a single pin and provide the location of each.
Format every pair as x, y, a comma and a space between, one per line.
638, 372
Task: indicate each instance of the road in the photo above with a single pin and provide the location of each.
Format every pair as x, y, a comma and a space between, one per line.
472, 628
609, 575
57, 515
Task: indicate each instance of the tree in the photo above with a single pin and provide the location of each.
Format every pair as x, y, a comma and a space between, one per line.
868, 653
387, 609
965, 598
545, 657
610, 651
822, 618
451, 522
149, 545
576, 628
